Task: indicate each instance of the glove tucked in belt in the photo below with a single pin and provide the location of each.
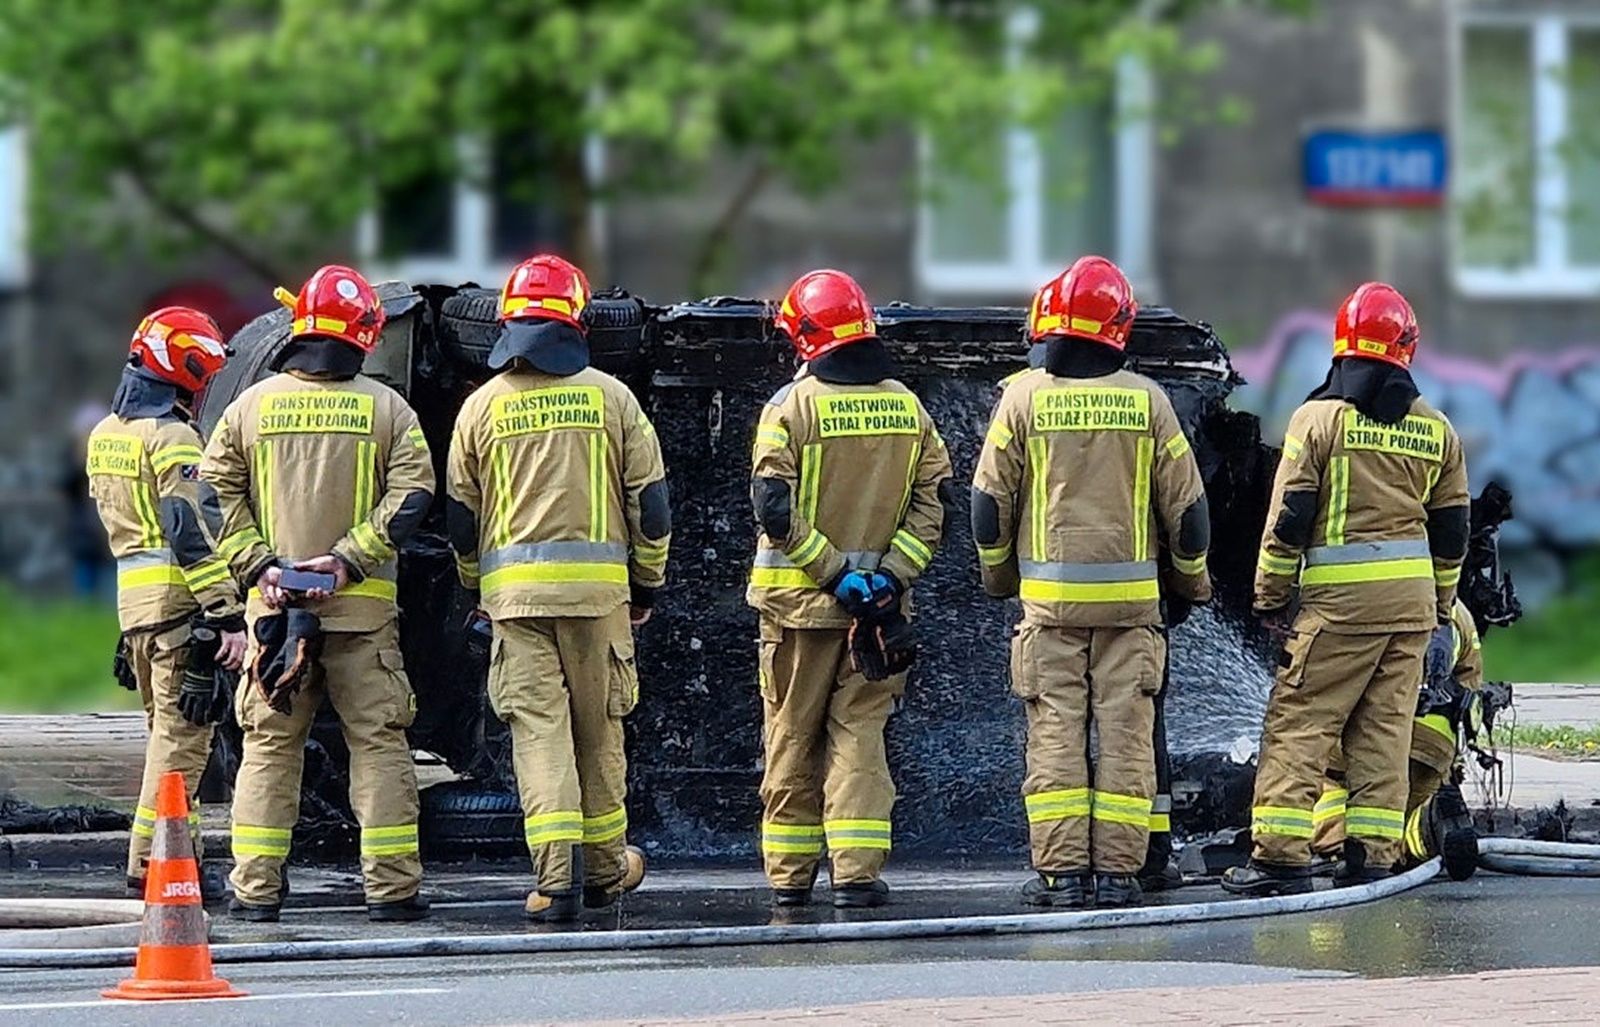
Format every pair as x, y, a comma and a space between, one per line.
203, 696
882, 645
122, 665
288, 645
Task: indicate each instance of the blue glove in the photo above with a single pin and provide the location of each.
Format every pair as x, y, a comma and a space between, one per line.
854, 592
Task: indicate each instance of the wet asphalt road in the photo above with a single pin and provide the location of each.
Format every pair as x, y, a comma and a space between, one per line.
1490, 922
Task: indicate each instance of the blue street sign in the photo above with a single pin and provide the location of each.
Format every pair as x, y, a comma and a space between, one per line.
1375, 169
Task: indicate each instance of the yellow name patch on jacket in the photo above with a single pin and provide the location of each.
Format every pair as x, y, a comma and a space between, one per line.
1414, 436
537, 410
300, 413
867, 413
1091, 409
119, 455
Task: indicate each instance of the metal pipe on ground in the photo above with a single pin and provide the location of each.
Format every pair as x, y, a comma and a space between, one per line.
769, 934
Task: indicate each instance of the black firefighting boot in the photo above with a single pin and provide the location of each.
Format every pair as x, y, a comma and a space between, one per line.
399, 911
254, 914
1069, 889
860, 895
1162, 877
1257, 879
633, 869
1326, 863
557, 908
1113, 891
796, 896
213, 881
1355, 870
1447, 829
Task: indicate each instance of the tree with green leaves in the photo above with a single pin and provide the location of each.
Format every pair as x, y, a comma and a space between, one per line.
265, 128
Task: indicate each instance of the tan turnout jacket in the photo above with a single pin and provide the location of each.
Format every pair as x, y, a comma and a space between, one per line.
307, 466
1091, 478
855, 473
553, 470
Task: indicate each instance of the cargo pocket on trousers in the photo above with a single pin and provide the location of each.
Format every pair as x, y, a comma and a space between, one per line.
624, 678
1152, 664
404, 708
1025, 677
1296, 650
497, 685
767, 661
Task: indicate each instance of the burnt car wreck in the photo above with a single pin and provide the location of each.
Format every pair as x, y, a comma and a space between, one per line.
702, 371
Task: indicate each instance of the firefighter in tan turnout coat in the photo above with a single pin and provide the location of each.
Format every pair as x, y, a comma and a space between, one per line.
558, 512
1088, 504
322, 470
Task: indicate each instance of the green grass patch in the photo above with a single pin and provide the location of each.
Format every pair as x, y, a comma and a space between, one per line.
55, 656
1557, 739
1556, 643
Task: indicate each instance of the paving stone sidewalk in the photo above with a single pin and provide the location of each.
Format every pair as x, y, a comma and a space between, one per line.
1557, 996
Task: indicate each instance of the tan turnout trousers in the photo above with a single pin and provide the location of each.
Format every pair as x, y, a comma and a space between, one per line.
827, 771
1080, 820
1365, 684
1431, 759
562, 685
362, 675
159, 657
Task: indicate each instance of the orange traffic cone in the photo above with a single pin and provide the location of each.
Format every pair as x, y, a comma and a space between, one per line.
174, 955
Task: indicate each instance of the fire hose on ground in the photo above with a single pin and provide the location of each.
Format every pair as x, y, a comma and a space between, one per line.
1538, 859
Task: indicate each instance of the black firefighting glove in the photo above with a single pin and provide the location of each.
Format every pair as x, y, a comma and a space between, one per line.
122, 665
479, 634
201, 699
289, 644
882, 645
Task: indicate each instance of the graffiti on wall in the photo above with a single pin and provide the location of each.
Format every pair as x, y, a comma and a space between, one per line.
1531, 421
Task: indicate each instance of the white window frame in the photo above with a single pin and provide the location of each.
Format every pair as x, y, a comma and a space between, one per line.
1550, 274
471, 257
1026, 266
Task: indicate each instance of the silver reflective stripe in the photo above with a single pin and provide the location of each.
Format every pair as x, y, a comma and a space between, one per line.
856, 559
1137, 570
389, 570
1161, 804
553, 552
1368, 552
145, 558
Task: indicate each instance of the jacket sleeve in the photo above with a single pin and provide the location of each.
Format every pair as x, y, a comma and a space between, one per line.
1292, 512
226, 469
646, 505
408, 484
183, 502
463, 512
774, 492
996, 491
1449, 523
1181, 507
922, 525
1468, 669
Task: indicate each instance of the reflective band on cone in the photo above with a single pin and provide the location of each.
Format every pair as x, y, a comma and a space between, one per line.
174, 954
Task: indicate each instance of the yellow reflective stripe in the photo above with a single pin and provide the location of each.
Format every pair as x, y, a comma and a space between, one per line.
560, 826
808, 549
370, 588
1374, 822
1282, 820
780, 577
1057, 805
366, 474
1415, 846
999, 436
260, 841
399, 840
264, 486
773, 435
1374, 570
1440, 723
1338, 499
502, 495
911, 481
1043, 591
1141, 497
1447, 577
599, 494
417, 437
205, 574
144, 577
467, 569
994, 556
370, 542
810, 474
913, 548
1330, 806
1292, 447
144, 822
1188, 565
1177, 445
1433, 479
1161, 823
650, 554
167, 456
149, 523
238, 542
791, 839
555, 573
1115, 808
606, 827
857, 834
1038, 457
1283, 566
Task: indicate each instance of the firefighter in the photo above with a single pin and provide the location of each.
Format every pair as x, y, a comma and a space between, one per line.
1369, 514
1438, 822
848, 473
179, 609
323, 472
1086, 497
558, 512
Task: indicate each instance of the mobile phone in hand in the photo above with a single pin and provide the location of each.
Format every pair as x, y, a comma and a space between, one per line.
306, 581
